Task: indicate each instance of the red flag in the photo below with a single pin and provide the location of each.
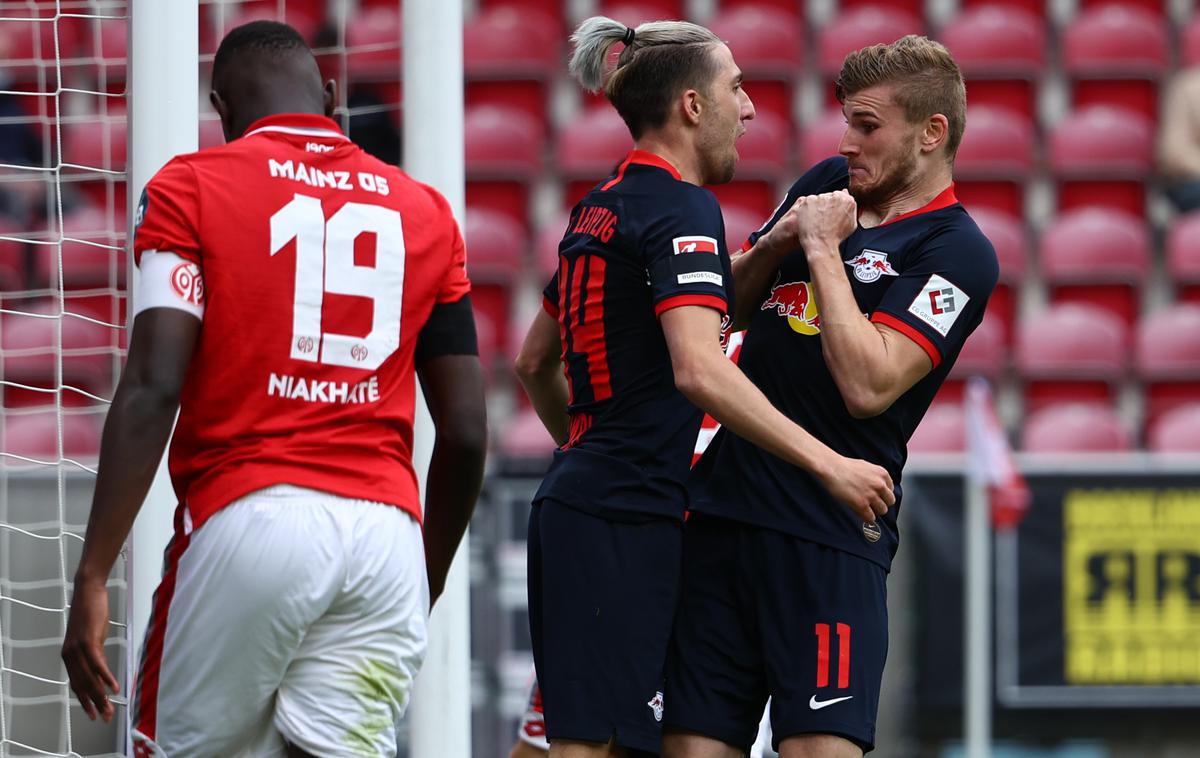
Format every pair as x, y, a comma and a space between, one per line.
991, 458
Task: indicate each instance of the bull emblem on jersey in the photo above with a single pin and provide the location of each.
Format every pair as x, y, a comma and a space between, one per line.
870, 265
795, 302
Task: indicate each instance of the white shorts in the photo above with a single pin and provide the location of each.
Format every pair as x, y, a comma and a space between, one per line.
289, 615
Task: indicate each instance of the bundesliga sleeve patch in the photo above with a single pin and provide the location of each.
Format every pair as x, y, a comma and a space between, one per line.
697, 244
939, 303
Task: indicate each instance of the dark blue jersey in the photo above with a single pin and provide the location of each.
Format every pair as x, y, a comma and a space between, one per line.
638, 244
927, 274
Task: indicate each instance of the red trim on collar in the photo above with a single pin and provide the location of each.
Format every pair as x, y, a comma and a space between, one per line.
296, 121
642, 158
945, 199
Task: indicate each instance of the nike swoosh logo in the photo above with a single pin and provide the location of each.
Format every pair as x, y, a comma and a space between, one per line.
817, 705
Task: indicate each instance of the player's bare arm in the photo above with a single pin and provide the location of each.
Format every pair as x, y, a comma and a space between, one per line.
135, 433
711, 381
453, 388
872, 364
539, 368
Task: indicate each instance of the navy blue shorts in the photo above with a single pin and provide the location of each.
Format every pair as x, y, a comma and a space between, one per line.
602, 596
766, 614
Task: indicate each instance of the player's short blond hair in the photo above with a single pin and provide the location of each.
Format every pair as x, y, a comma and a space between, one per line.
661, 60
929, 81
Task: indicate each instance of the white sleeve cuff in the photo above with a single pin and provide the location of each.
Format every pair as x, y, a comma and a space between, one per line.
169, 281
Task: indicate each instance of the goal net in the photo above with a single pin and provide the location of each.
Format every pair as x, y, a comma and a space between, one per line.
64, 301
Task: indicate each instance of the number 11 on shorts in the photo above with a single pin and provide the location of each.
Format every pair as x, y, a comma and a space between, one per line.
843, 638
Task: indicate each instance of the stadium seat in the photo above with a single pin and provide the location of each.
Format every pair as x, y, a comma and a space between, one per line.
1189, 42
373, 44
552, 9
1177, 431
739, 224
13, 272
305, 16
590, 148
858, 27
1097, 256
510, 56
1168, 358
1115, 54
525, 437
994, 159
1075, 428
1001, 52
35, 435
1183, 256
29, 45
764, 153
1071, 352
791, 7
93, 255
1156, 7
503, 152
769, 47
96, 142
495, 246
29, 342
1010, 241
821, 138
984, 354
1101, 156
636, 12
1036, 7
546, 247
942, 430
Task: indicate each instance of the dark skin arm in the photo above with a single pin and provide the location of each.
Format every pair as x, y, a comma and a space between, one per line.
453, 388
135, 433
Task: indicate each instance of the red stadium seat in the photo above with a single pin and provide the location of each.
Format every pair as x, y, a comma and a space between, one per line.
984, 354
739, 224
856, 28
1097, 256
764, 153
510, 55
93, 255
821, 138
994, 159
1155, 7
1011, 243
1168, 358
1177, 431
1001, 52
35, 435
1101, 156
1071, 352
495, 246
1075, 428
1183, 256
1036, 7
552, 9
525, 437
1189, 42
28, 46
373, 44
503, 153
589, 149
942, 430
96, 142
545, 249
636, 12
13, 274
1115, 54
30, 343
768, 45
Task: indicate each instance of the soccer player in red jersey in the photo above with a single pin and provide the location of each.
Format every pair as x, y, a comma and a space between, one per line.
292, 288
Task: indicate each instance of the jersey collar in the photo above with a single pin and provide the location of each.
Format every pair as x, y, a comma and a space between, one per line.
300, 124
645, 158
945, 199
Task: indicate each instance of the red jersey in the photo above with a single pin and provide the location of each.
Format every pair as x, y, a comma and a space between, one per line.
320, 265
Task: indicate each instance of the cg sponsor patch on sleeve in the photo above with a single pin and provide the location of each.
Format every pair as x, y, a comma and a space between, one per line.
939, 303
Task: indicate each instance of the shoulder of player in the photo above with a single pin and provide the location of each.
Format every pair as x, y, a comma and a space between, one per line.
954, 234
830, 174
681, 203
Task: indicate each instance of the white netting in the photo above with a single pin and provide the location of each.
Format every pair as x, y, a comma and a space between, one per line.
63, 221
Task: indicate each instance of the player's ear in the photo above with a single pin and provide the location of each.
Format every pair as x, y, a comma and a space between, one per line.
330, 97
935, 132
693, 105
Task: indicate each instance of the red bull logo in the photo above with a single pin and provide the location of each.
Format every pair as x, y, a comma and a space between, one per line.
870, 265
795, 302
